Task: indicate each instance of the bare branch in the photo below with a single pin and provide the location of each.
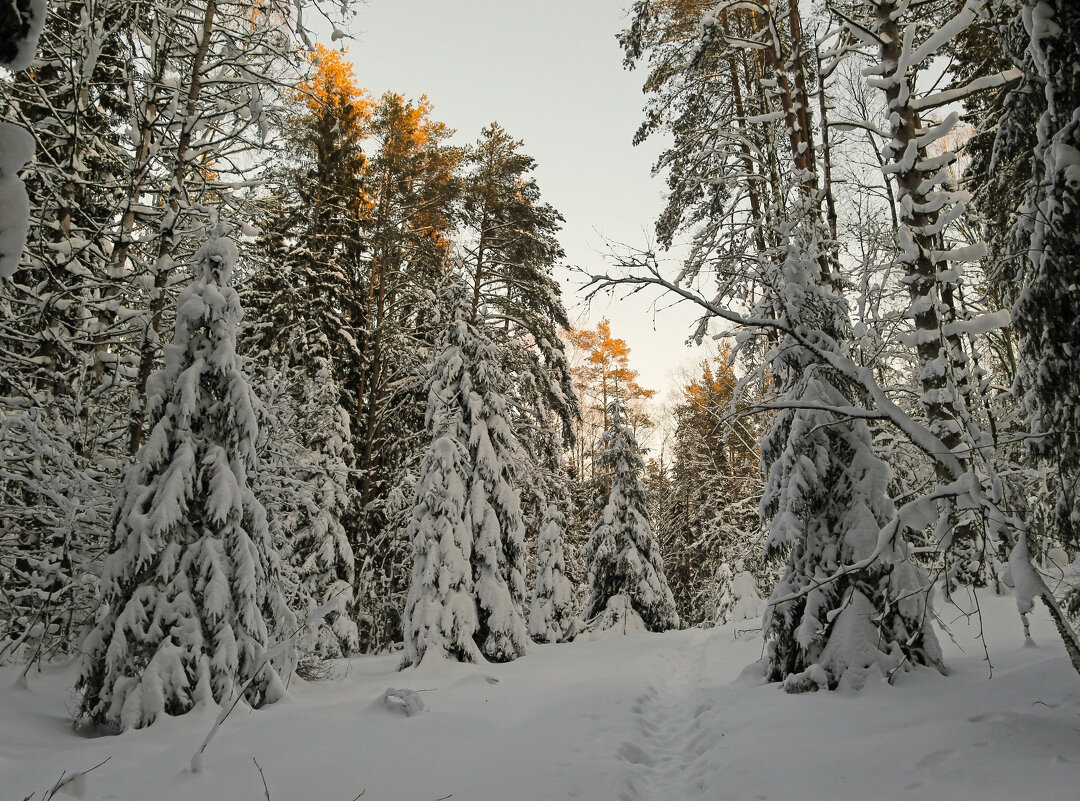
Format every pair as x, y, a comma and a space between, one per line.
266, 790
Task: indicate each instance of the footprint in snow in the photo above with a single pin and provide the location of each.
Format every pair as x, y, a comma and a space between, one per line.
935, 758
635, 755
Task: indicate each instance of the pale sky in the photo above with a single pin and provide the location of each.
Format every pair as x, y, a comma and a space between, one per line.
550, 73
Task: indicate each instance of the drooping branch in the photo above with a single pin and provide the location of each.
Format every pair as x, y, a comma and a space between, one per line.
862, 377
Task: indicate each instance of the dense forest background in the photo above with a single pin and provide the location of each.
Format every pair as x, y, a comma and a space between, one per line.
280, 363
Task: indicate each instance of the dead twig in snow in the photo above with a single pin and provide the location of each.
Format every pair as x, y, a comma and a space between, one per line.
266, 790
74, 782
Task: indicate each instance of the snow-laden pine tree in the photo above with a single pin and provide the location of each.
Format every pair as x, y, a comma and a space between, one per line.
468, 585
725, 599
765, 224
1047, 235
552, 610
737, 596
626, 570
441, 611
189, 600
310, 482
1045, 313
324, 555
849, 597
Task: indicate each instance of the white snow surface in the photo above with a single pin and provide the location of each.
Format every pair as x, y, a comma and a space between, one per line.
644, 717
16, 149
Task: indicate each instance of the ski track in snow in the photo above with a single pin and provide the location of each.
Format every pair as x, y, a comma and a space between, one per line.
670, 756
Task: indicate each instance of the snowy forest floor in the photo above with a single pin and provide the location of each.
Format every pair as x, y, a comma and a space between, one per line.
643, 717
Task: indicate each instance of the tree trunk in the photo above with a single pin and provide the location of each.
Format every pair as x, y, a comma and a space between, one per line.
149, 346
941, 359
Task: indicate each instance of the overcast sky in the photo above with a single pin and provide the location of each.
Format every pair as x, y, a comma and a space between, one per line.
550, 73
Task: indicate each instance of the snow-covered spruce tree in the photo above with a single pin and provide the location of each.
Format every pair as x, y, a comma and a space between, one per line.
56, 503
849, 597
622, 553
1047, 235
468, 585
725, 599
507, 250
737, 596
189, 600
320, 547
1045, 312
303, 478
441, 611
552, 610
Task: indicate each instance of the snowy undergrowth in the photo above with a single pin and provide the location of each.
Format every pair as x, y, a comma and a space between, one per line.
644, 717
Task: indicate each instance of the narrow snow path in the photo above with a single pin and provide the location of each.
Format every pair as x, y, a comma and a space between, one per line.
672, 753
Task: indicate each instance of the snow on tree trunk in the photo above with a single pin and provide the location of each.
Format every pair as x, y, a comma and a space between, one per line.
927, 206
552, 610
622, 553
468, 581
189, 600
21, 22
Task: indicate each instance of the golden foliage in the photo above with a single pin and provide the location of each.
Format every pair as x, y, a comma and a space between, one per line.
607, 364
332, 90
602, 370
